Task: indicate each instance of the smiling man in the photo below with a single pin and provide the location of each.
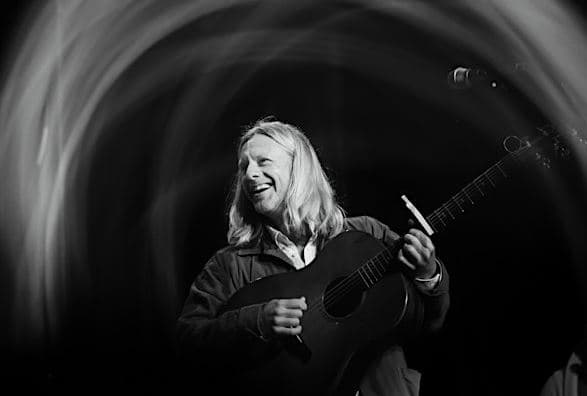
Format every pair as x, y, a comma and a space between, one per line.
283, 213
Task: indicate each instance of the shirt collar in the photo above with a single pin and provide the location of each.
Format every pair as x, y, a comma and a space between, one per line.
270, 241
280, 239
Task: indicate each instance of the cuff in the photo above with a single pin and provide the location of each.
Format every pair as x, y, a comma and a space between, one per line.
249, 320
429, 284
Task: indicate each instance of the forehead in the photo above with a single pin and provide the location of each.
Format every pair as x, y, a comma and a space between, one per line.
262, 146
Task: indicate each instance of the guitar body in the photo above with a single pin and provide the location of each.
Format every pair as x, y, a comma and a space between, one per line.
332, 333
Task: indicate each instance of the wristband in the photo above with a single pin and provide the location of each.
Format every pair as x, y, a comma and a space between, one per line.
436, 278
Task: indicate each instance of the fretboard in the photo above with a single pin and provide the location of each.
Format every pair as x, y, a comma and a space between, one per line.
475, 191
374, 269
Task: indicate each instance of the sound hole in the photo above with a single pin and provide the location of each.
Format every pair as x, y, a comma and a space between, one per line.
341, 299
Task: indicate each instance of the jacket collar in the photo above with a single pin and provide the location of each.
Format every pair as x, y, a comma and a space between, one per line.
267, 245
263, 246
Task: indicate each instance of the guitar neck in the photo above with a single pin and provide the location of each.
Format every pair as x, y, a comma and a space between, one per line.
475, 191
374, 269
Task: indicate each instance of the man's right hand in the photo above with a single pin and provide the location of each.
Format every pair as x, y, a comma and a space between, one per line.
282, 317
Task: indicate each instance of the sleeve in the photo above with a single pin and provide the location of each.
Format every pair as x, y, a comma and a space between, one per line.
553, 385
435, 301
205, 333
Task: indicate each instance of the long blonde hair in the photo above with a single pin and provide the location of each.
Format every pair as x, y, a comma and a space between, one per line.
309, 201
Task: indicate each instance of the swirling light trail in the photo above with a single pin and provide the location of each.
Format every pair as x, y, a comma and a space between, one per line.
74, 52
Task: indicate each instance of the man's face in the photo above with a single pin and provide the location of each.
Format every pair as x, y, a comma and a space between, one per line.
266, 172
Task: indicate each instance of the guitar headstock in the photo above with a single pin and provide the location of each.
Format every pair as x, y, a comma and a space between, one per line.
548, 145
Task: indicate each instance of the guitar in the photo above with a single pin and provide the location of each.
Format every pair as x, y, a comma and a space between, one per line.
357, 296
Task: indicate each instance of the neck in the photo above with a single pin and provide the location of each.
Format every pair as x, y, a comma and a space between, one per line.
298, 237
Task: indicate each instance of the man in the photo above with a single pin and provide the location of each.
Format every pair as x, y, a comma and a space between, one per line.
570, 380
282, 213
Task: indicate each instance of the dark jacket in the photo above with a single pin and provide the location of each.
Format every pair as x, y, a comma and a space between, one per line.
213, 339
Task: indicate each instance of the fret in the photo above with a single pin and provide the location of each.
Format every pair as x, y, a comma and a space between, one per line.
501, 170
376, 261
372, 279
488, 178
478, 188
468, 197
380, 271
432, 222
375, 276
366, 274
440, 215
380, 262
361, 275
457, 203
375, 270
481, 184
447, 210
386, 255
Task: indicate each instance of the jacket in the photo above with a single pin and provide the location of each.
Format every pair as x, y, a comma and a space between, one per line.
212, 339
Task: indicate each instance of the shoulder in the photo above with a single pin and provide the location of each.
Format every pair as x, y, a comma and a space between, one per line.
221, 260
229, 250
222, 268
371, 226
366, 224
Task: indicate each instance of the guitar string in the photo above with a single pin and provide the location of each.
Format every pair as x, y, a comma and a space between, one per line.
437, 218
472, 189
355, 278
344, 287
340, 290
453, 208
351, 281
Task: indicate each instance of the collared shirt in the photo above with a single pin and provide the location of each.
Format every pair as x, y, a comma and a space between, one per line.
291, 250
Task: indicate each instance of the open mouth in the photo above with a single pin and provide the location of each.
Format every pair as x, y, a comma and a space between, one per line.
259, 189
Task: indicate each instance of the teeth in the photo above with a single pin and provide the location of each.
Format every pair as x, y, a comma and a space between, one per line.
260, 187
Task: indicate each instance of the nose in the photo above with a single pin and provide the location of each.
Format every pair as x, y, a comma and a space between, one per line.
252, 171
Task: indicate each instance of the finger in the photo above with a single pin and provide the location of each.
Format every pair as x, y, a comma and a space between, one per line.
412, 240
402, 258
422, 250
295, 303
411, 254
288, 313
422, 237
287, 330
286, 322
292, 313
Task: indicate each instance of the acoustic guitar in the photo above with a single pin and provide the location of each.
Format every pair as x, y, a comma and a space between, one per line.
357, 295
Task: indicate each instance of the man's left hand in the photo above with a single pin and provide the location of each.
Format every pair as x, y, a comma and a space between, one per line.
418, 253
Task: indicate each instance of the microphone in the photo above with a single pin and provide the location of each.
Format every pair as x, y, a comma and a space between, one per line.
464, 78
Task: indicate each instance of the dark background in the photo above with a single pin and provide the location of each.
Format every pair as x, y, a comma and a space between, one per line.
517, 306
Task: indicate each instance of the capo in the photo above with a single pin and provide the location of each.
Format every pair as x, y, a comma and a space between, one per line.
418, 216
